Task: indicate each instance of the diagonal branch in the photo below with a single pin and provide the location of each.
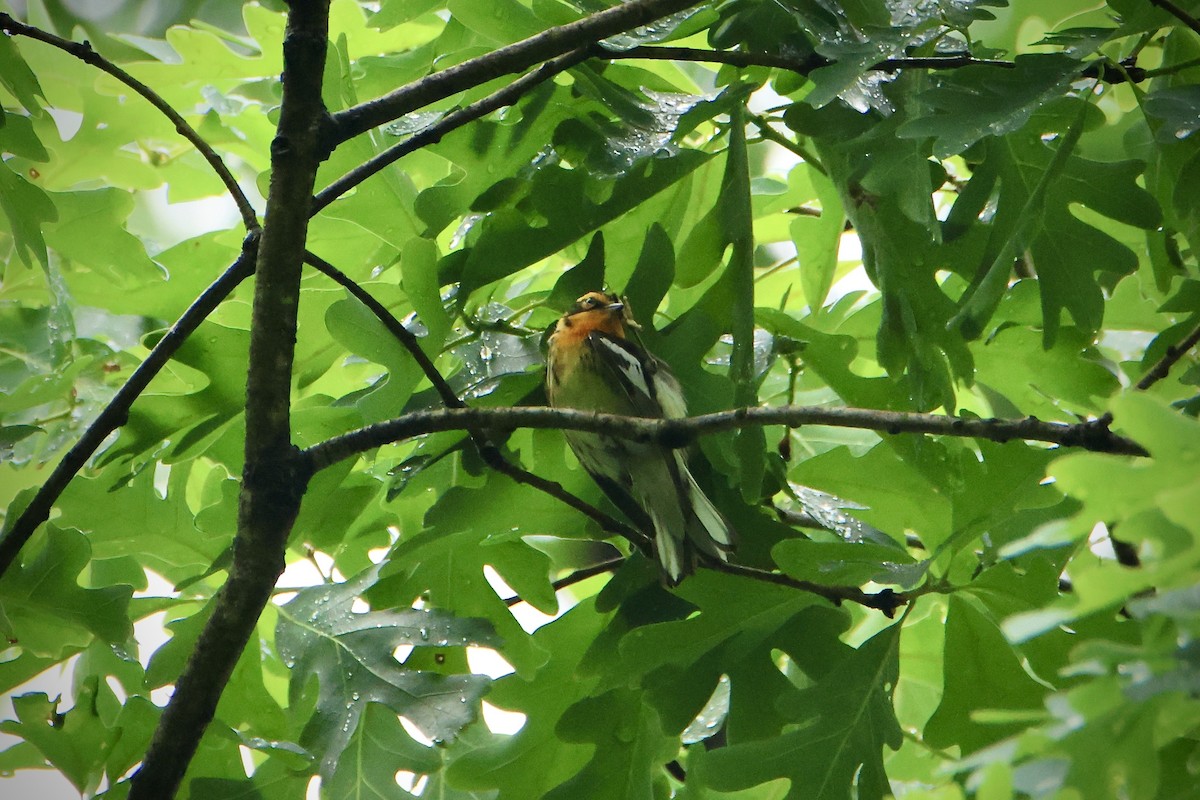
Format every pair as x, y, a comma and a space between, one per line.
1164, 364
1178, 13
84, 52
885, 600
1092, 435
452, 121
575, 577
516, 57
116, 412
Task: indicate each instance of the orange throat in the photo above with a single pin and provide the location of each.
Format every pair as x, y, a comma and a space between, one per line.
572, 330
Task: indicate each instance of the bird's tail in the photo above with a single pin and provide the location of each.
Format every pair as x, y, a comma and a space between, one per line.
685, 521
707, 529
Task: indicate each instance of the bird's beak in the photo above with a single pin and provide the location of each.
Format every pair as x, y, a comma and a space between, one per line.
615, 307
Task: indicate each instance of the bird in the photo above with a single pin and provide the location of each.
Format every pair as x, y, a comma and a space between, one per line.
593, 365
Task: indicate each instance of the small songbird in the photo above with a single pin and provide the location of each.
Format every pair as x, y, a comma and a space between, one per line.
593, 366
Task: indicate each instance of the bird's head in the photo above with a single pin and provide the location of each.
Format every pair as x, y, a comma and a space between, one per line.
597, 311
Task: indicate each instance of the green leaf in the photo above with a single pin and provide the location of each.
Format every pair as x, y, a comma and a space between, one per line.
1067, 252
361, 332
320, 636
844, 563
27, 209
446, 561
75, 743
1146, 502
162, 530
586, 276
380, 745
845, 720
629, 748
817, 238
1177, 109
535, 759
971, 103
18, 78
564, 198
47, 612
418, 270
976, 654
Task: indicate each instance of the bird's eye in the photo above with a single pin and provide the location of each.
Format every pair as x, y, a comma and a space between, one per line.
589, 302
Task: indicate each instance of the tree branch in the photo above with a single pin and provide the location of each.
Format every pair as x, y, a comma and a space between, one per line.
516, 57
578, 576
1164, 364
1092, 435
803, 66
885, 600
273, 481
84, 52
116, 413
1178, 13
452, 121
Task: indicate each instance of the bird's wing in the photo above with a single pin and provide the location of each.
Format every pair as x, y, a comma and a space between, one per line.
640, 377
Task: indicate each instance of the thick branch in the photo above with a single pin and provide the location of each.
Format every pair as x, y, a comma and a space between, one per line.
516, 57
84, 52
272, 482
116, 412
1093, 435
1164, 364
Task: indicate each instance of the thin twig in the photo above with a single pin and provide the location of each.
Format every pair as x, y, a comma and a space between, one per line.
116, 413
764, 127
84, 52
516, 57
452, 121
1163, 365
1172, 69
1178, 13
885, 600
799, 519
1092, 435
487, 450
578, 576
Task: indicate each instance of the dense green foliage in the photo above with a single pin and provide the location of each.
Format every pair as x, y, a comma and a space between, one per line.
983, 239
